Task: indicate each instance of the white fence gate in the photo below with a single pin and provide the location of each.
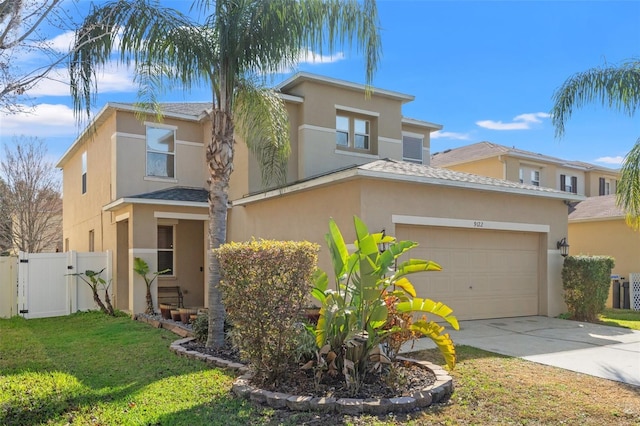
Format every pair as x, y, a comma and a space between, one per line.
46, 288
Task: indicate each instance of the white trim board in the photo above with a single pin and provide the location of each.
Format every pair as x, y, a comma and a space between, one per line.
183, 216
468, 223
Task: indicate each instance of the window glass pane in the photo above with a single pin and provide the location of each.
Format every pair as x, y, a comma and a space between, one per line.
362, 141
84, 162
361, 126
342, 123
342, 138
159, 164
165, 261
160, 139
165, 237
412, 149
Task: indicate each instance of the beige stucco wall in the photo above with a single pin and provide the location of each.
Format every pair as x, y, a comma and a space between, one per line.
607, 238
592, 182
315, 125
129, 151
83, 212
304, 216
490, 167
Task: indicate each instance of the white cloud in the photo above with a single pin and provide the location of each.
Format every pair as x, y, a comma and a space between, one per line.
42, 120
616, 161
114, 79
62, 42
520, 122
450, 135
311, 57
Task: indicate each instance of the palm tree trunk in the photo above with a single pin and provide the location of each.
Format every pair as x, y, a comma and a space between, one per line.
220, 162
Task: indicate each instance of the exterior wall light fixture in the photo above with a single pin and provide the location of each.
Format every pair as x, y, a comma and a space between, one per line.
563, 246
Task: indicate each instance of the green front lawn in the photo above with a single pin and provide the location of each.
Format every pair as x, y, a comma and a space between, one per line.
621, 318
90, 369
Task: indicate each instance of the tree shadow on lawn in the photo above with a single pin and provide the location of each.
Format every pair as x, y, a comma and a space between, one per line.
72, 373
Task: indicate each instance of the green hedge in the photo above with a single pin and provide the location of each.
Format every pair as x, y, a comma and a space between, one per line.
586, 281
265, 286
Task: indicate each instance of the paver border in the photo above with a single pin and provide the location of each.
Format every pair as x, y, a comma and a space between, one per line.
242, 388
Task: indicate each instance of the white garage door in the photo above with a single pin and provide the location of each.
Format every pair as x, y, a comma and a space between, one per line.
486, 273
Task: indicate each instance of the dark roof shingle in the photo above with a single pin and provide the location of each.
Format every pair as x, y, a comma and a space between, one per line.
177, 193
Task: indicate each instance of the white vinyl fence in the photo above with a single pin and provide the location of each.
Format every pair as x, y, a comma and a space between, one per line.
43, 286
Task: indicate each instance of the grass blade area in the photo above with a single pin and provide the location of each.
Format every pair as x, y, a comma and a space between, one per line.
621, 318
90, 369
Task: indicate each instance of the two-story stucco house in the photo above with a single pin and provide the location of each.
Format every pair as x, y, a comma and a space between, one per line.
137, 187
517, 165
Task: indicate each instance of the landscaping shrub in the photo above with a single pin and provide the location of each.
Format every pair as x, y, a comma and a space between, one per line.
372, 306
265, 286
201, 327
586, 281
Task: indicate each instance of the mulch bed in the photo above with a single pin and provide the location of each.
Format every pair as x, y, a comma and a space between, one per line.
400, 379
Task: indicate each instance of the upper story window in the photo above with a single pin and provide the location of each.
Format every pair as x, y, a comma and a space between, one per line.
361, 133
521, 176
84, 172
165, 249
342, 130
535, 177
604, 186
569, 184
353, 132
161, 151
412, 148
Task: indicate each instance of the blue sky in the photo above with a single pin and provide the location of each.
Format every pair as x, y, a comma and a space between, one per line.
484, 70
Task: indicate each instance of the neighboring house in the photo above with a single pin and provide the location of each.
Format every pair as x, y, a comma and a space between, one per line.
502, 162
597, 227
137, 187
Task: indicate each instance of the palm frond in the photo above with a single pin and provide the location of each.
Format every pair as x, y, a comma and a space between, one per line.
142, 32
628, 191
263, 123
616, 87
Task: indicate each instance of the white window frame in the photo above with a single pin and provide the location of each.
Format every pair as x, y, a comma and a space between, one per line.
149, 150
567, 184
416, 136
172, 250
607, 187
365, 135
351, 115
521, 175
535, 177
340, 130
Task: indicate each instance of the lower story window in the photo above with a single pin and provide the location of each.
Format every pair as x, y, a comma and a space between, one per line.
166, 249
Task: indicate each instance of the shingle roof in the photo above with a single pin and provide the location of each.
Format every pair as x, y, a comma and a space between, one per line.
486, 149
603, 207
177, 193
187, 108
419, 170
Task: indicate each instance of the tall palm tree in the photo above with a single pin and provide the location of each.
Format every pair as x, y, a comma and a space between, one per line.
616, 87
237, 41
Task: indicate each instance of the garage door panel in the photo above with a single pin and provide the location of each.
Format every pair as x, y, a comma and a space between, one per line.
486, 274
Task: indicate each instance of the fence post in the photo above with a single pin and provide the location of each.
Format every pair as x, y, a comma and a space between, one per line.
72, 280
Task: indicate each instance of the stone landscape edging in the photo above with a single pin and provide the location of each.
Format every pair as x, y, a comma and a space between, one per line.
437, 392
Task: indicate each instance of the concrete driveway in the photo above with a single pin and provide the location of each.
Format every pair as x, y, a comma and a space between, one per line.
608, 352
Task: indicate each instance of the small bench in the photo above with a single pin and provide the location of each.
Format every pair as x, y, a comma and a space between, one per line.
170, 294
